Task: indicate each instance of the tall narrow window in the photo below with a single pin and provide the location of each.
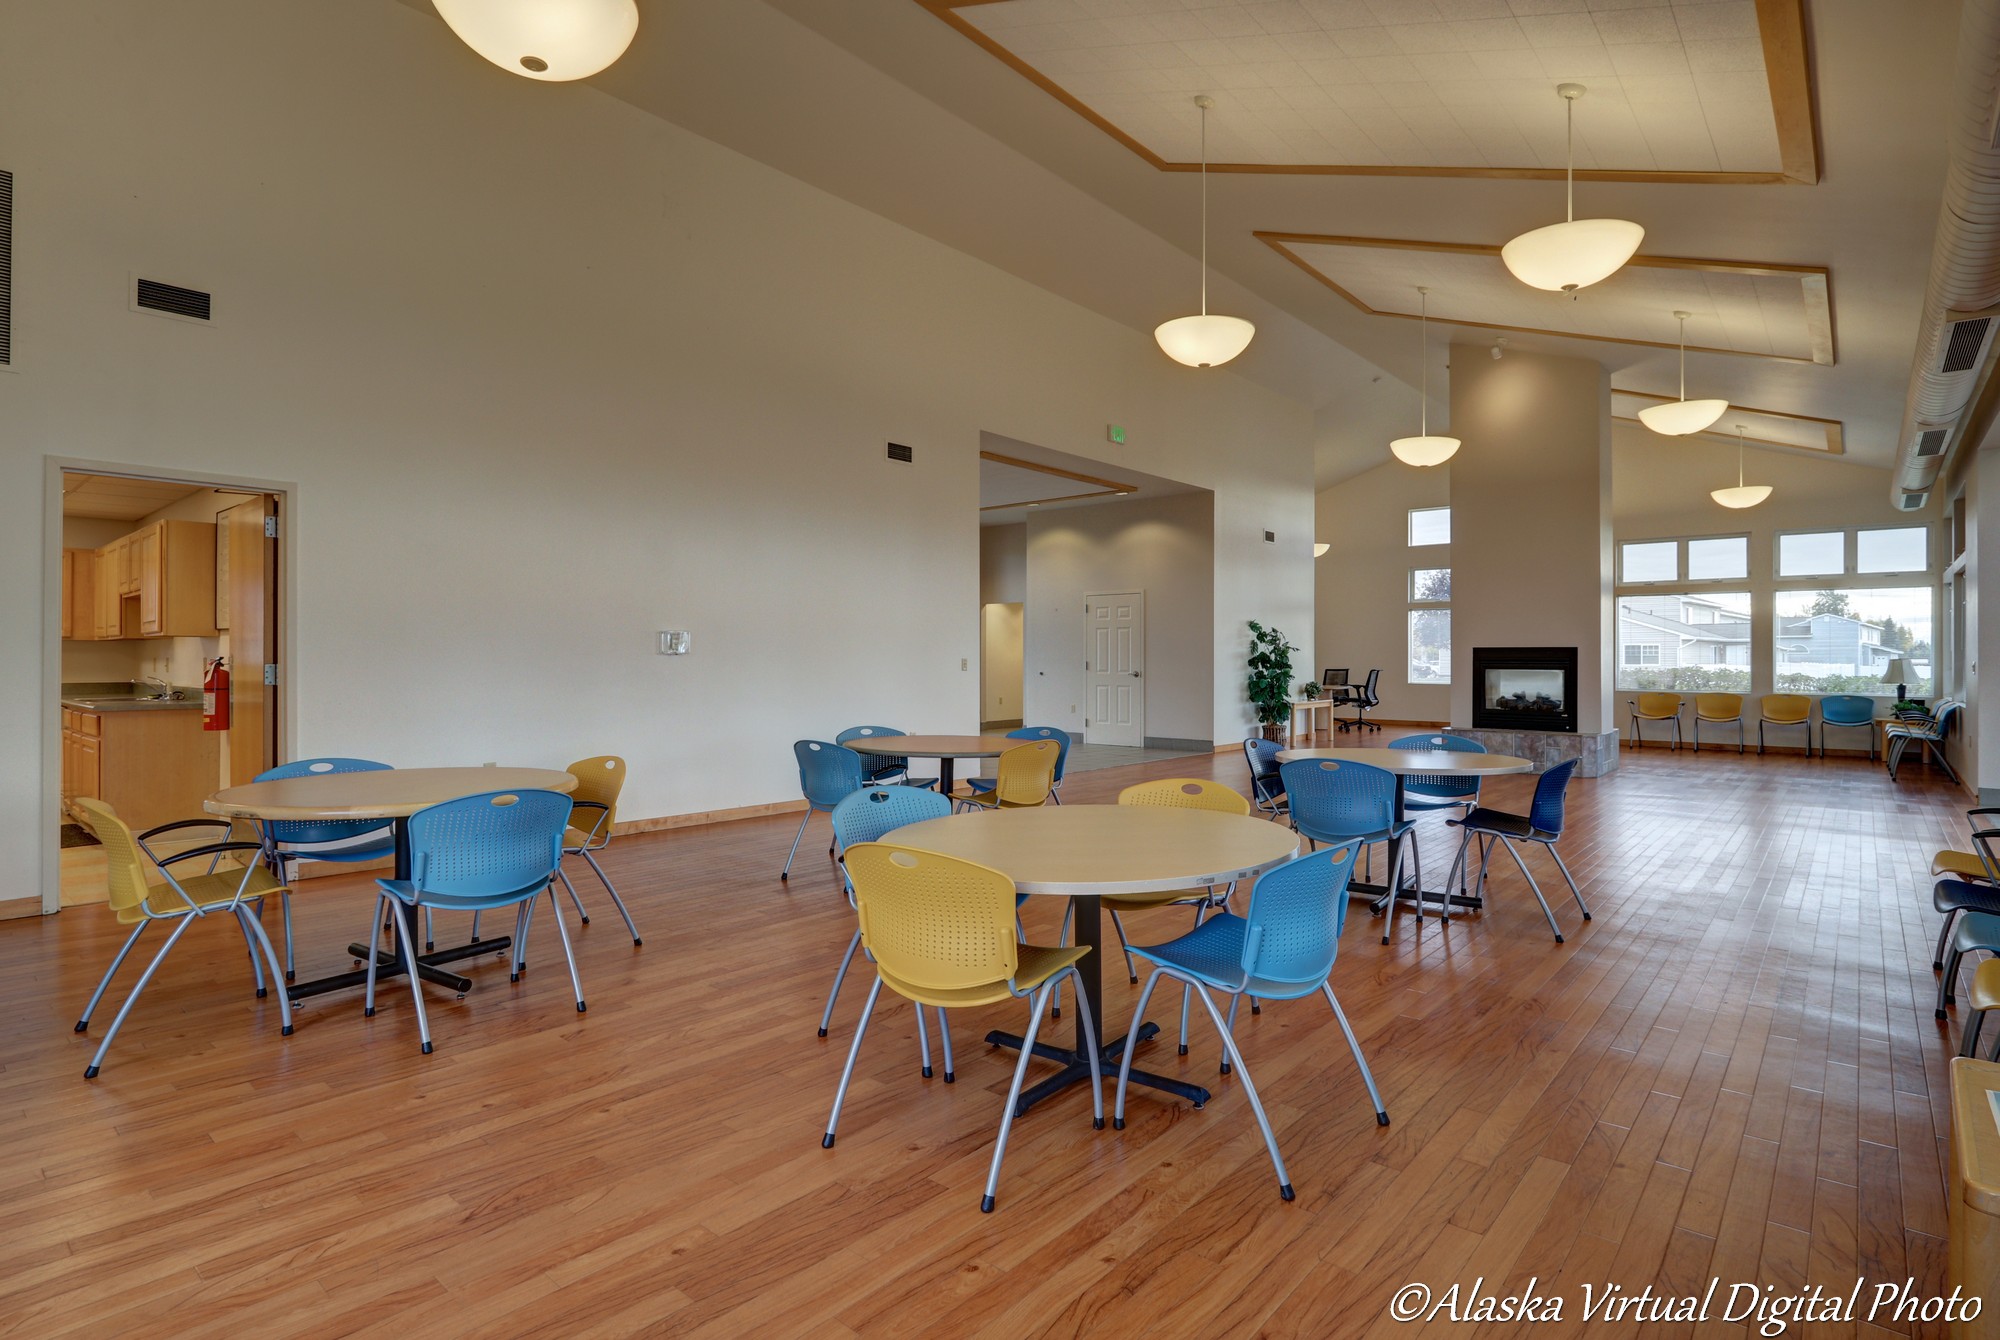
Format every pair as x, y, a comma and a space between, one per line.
1430, 525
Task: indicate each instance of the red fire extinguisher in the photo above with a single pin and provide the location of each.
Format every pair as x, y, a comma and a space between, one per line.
215, 697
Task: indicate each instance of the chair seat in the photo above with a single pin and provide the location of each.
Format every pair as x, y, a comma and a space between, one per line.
1949, 895
1655, 716
210, 890
406, 891
1137, 902
1034, 964
990, 801
1412, 801
366, 851
1899, 732
1782, 721
1213, 952
1964, 864
1502, 823
1703, 716
1976, 930
1985, 992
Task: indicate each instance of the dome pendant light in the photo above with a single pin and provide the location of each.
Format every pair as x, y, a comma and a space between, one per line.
1743, 495
1424, 449
1204, 341
1680, 417
1575, 253
550, 40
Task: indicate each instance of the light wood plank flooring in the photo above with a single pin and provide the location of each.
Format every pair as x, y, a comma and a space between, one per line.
1732, 1071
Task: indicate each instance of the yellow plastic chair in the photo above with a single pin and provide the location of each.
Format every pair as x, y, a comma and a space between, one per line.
941, 931
593, 812
1984, 996
1718, 709
1655, 707
1182, 793
1025, 778
185, 899
1785, 709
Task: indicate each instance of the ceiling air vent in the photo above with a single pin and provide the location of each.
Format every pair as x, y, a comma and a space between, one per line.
6, 268
899, 452
1961, 349
190, 304
1930, 442
1913, 500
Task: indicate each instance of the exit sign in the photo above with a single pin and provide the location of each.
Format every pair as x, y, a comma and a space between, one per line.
1115, 432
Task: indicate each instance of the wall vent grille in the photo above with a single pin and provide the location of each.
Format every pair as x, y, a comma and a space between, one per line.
899, 452
1931, 441
172, 299
1961, 351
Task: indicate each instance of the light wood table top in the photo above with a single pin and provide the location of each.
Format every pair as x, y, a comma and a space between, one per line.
1413, 762
1098, 849
394, 793
935, 746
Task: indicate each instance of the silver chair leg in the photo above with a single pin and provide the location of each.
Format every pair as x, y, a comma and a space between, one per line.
256, 959
1354, 1045
125, 1010
1947, 995
271, 955
924, 1041
285, 902
853, 1051
1132, 1042
1036, 1005
406, 927
1234, 1001
374, 957
786, 873
1573, 890
839, 976
944, 1036
574, 900
1055, 1005
1534, 886
521, 940
1118, 925
521, 914
612, 889
1249, 1091
562, 933
83, 1021
430, 938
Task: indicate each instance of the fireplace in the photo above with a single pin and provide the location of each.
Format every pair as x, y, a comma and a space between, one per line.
1524, 688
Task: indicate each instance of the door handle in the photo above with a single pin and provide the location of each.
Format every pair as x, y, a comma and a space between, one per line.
1135, 674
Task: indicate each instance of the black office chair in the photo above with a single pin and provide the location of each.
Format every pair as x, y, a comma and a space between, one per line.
1363, 699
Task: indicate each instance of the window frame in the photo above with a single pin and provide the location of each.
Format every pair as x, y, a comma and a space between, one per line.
1409, 629
1680, 544
1410, 527
1871, 582
1854, 543
1417, 601
1704, 590
1815, 579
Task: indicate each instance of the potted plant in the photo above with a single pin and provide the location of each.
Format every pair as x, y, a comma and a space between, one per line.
1309, 690
1269, 686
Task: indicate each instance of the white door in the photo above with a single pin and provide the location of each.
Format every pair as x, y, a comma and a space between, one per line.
1114, 669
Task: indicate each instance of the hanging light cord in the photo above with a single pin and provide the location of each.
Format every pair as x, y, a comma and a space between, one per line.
1424, 362
1684, 358
1569, 160
1204, 211
1739, 455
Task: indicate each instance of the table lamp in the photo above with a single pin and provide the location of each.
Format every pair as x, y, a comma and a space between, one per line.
1897, 672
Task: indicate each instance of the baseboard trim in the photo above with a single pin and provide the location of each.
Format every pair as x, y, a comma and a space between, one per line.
703, 818
13, 909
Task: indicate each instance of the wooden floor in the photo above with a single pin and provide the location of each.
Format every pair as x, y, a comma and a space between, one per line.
1732, 1071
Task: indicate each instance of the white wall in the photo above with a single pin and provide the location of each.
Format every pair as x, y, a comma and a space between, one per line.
1003, 564
1363, 584
1164, 547
546, 375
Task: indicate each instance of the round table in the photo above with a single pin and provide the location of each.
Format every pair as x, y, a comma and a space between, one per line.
1084, 852
944, 748
392, 794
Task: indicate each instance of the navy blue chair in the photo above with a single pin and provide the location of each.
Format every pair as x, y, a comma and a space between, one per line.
1543, 823
1061, 737
1976, 931
289, 841
1282, 949
1337, 802
1440, 791
497, 849
1267, 783
828, 774
883, 769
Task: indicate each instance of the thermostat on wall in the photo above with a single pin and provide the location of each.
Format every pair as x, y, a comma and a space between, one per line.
676, 643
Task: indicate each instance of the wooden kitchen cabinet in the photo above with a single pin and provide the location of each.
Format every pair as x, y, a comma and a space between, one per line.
151, 765
157, 582
79, 605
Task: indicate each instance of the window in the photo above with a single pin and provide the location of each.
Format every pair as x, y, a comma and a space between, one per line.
1430, 586
1818, 553
1430, 646
1430, 525
1684, 641
1892, 549
1723, 558
1833, 641
1652, 561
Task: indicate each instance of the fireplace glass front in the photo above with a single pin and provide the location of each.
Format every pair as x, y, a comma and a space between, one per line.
1516, 689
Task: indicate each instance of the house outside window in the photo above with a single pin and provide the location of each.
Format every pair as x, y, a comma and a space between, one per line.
1684, 641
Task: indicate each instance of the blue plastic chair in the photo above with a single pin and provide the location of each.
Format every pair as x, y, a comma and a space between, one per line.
294, 840
495, 849
883, 769
1976, 930
828, 774
869, 815
1440, 791
1336, 802
1283, 949
1542, 823
1850, 710
1267, 783
1061, 737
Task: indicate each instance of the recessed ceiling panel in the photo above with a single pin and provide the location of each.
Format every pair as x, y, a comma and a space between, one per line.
1761, 427
1713, 91
116, 498
1739, 307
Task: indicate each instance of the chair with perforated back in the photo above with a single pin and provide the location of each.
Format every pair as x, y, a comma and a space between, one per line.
1664, 707
477, 854
1337, 802
828, 774
980, 785
1542, 824
942, 933
593, 813
184, 899
1785, 709
347, 842
1267, 783
1850, 711
1929, 734
1024, 779
1439, 791
1179, 793
1363, 700
883, 769
1977, 932
1283, 948
1718, 709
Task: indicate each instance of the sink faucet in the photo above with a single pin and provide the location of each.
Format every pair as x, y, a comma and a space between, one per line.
166, 689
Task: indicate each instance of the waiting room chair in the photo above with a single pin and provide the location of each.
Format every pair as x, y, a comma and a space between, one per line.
1953, 896
289, 841
942, 934
1337, 802
1364, 701
184, 899
1655, 707
599, 782
477, 854
1267, 783
1928, 734
883, 769
1061, 737
1983, 996
828, 774
1283, 948
1852, 711
1976, 931
1785, 709
866, 816
1982, 863
1718, 709
1024, 779
1543, 824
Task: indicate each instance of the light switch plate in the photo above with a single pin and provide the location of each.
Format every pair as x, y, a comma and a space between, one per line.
676, 642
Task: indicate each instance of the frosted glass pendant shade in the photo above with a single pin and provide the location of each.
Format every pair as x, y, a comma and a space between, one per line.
1204, 341
1743, 495
1428, 450
1564, 257
550, 40
1678, 418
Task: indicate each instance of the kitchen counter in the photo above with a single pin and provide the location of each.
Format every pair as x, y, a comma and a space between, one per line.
111, 704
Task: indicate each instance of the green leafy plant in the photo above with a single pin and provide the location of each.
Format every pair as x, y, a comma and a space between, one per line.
1269, 687
1308, 690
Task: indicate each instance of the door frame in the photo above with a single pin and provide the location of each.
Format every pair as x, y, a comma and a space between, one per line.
1144, 659
53, 469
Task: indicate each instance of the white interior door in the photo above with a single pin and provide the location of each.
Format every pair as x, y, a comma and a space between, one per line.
1114, 669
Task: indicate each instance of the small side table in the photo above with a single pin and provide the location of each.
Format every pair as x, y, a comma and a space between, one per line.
1308, 706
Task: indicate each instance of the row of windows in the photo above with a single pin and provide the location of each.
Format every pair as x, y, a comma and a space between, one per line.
1801, 554
1827, 641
